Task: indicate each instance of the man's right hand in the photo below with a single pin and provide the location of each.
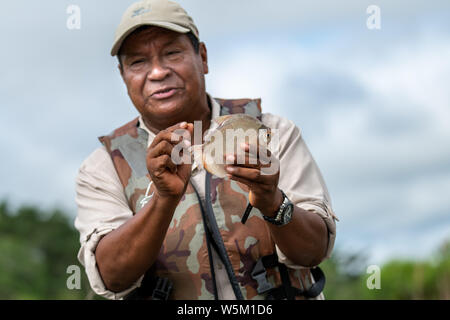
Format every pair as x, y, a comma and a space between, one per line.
169, 179
119, 254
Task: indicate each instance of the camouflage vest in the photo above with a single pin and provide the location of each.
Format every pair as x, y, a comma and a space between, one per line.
184, 256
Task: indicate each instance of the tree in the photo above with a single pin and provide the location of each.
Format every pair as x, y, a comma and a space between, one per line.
36, 249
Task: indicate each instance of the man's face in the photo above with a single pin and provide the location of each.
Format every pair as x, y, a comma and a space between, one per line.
164, 75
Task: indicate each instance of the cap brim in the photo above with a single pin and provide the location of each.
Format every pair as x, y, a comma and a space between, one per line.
162, 24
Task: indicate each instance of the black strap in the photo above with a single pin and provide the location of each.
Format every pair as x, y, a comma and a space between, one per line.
286, 282
215, 233
153, 287
209, 241
260, 275
246, 213
270, 261
280, 292
286, 290
319, 283
162, 290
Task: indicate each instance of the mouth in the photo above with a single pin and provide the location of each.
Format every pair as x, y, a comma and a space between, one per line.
164, 93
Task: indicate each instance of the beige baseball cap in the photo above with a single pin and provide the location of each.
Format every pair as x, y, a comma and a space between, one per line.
161, 13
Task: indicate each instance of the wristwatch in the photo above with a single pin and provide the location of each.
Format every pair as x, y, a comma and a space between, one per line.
284, 214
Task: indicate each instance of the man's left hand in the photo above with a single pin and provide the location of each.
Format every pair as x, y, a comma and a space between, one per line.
260, 172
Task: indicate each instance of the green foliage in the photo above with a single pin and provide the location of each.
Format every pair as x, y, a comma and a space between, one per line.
36, 249
400, 279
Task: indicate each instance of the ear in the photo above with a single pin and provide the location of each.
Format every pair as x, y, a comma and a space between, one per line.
204, 56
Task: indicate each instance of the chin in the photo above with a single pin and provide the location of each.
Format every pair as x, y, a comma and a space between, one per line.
167, 110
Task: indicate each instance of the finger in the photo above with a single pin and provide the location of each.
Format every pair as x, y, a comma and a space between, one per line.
186, 133
159, 165
254, 186
180, 125
169, 134
259, 151
245, 160
249, 161
183, 129
247, 182
166, 135
249, 174
164, 147
168, 163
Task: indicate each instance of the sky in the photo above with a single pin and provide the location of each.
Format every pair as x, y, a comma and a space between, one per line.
373, 105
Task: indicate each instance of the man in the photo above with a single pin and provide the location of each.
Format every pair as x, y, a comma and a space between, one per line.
153, 228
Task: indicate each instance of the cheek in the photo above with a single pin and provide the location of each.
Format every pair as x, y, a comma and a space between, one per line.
196, 77
135, 85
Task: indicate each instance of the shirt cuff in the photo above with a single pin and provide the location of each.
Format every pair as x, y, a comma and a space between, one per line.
323, 209
86, 256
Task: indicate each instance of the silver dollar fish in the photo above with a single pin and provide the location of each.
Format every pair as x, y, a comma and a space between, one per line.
225, 137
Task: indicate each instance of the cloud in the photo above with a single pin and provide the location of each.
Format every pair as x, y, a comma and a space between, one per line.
218, 18
378, 127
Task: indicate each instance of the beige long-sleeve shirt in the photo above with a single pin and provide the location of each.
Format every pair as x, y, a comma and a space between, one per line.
103, 207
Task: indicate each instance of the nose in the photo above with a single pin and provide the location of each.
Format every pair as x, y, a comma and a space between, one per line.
158, 71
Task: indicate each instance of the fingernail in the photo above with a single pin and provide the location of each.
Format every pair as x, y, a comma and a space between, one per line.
230, 169
187, 143
183, 124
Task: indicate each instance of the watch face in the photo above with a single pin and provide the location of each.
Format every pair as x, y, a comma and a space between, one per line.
288, 213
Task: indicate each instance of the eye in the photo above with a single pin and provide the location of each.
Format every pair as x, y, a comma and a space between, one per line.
137, 62
173, 52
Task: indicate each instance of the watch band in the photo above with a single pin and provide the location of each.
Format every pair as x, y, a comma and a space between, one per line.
284, 213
